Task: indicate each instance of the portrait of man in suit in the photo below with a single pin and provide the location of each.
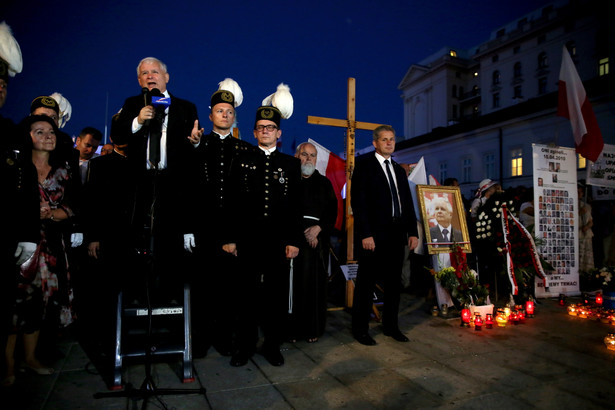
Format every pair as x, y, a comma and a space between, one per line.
444, 230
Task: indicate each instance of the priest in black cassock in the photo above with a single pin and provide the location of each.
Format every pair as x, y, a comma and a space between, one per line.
308, 311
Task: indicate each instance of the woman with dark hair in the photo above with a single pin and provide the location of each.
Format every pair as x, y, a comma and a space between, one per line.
45, 296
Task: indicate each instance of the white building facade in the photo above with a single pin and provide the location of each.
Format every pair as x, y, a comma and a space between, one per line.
475, 114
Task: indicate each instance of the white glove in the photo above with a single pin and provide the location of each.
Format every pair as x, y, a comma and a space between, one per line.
188, 242
76, 239
24, 251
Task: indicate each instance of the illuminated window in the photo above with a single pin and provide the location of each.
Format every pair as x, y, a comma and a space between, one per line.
603, 66
581, 161
516, 162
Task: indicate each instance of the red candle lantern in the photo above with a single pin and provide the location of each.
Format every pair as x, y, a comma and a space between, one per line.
529, 308
521, 314
514, 317
478, 321
489, 321
599, 299
465, 317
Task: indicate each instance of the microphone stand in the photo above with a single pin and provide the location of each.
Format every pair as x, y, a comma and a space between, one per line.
148, 387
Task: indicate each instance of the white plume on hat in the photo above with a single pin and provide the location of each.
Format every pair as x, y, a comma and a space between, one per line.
66, 110
228, 84
9, 50
282, 100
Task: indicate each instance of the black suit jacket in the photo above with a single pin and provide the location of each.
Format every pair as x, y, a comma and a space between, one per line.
181, 117
436, 235
371, 199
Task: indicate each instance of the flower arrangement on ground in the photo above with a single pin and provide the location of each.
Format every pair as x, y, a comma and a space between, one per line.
598, 279
462, 282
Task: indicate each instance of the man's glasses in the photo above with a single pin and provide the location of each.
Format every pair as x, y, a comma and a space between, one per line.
269, 128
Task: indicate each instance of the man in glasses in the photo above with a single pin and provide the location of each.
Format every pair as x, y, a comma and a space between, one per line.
265, 234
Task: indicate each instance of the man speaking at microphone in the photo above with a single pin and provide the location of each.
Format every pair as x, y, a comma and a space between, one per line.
161, 137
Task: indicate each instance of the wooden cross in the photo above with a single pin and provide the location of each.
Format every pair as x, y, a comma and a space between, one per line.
351, 125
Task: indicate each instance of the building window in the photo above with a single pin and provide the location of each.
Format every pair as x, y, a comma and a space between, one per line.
517, 92
543, 62
495, 58
443, 171
454, 91
455, 113
517, 70
516, 162
572, 48
496, 77
542, 38
603, 66
542, 85
516, 50
467, 170
581, 161
489, 164
496, 100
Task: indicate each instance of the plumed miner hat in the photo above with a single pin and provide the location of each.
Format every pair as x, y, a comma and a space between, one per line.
44, 101
11, 62
228, 92
276, 106
66, 110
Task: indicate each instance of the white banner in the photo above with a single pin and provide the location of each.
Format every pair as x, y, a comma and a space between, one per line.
602, 172
556, 217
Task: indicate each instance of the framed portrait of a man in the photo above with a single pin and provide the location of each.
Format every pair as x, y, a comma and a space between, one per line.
443, 218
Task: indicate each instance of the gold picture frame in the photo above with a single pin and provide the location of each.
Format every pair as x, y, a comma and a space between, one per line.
434, 201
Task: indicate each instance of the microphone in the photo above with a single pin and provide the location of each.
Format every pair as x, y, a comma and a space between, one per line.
160, 103
146, 101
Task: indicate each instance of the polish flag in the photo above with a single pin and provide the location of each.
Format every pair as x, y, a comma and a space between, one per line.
334, 168
574, 105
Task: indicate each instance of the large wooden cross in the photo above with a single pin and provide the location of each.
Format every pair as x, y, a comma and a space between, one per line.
351, 125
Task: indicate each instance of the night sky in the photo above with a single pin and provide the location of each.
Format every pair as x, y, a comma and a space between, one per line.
88, 52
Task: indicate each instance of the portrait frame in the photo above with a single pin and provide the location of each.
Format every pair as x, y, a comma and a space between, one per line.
429, 196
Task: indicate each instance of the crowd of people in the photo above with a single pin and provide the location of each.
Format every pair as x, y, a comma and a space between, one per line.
245, 225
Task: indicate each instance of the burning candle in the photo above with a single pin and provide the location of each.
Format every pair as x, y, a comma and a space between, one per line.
489, 321
465, 317
529, 308
609, 341
599, 299
478, 321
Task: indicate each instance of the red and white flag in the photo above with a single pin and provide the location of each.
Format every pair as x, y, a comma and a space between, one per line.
334, 168
574, 105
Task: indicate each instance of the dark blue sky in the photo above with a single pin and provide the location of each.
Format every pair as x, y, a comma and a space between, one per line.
88, 52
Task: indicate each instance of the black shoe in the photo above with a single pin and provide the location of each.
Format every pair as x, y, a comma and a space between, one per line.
397, 335
365, 339
240, 359
273, 356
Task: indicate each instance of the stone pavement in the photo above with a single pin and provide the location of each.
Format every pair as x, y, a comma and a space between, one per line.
553, 361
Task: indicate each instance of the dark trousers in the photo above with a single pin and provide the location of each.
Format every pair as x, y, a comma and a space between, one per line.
382, 266
262, 294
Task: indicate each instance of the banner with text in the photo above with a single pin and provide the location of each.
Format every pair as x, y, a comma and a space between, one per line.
556, 218
602, 172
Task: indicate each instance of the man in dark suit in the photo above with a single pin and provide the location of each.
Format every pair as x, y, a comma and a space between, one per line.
162, 142
214, 273
264, 232
384, 224
444, 230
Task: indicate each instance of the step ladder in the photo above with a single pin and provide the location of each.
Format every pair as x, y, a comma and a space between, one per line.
174, 317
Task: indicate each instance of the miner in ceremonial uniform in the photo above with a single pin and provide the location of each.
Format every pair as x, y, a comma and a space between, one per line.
214, 271
264, 218
161, 132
